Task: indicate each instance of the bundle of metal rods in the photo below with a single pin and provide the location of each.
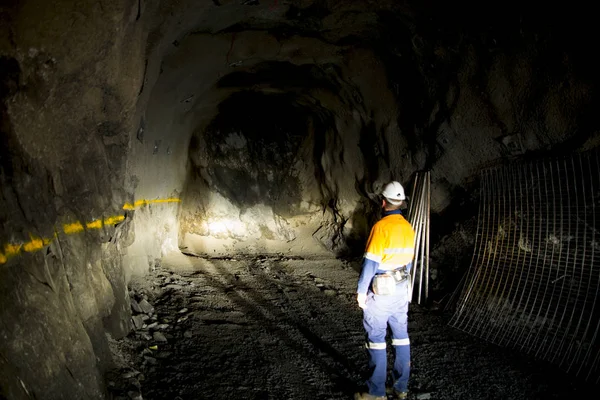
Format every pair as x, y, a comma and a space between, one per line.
418, 216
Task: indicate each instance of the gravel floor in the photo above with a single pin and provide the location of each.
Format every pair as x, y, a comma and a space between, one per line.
282, 328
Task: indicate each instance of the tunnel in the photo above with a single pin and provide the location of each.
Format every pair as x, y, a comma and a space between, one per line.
187, 188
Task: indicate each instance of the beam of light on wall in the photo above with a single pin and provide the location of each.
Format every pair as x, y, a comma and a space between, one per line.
226, 227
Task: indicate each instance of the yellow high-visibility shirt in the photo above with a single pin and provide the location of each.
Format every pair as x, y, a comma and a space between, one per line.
391, 242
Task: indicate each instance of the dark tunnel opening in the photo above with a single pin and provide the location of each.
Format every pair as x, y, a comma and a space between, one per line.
253, 142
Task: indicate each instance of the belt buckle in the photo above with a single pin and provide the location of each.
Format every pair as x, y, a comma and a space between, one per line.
399, 276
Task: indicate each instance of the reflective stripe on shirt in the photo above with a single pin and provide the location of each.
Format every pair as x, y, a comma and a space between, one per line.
406, 250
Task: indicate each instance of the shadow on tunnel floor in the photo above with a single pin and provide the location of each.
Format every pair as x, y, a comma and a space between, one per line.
272, 328
256, 316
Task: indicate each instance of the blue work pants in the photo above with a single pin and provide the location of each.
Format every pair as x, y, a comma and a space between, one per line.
380, 312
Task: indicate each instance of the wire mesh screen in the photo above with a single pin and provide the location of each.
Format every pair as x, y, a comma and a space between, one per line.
535, 275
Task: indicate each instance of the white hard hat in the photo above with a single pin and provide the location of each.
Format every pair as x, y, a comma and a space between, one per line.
394, 193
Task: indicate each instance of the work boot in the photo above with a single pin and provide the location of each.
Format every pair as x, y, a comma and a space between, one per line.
399, 395
367, 396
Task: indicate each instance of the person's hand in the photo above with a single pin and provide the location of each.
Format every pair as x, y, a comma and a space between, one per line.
362, 300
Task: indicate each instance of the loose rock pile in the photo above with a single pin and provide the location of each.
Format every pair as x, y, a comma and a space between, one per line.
150, 336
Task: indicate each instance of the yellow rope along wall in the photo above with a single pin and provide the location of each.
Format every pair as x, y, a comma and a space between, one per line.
9, 250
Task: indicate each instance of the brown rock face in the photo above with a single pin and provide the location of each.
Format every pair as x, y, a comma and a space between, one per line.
130, 129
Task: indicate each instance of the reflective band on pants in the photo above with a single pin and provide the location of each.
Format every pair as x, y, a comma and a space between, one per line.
400, 342
375, 346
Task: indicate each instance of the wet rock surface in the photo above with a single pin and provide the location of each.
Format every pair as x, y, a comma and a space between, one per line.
282, 328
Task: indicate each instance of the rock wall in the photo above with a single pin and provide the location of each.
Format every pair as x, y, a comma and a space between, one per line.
486, 91
448, 95
278, 167
79, 206
67, 91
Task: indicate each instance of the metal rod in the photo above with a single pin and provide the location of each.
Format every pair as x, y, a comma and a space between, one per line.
411, 204
419, 217
416, 263
414, 222
467, 279
417, 226
423, 228
427, 235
